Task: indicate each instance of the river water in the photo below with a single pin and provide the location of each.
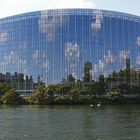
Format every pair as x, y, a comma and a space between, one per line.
109, 122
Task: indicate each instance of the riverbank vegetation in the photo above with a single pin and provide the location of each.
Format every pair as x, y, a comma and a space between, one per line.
66, 93
118, 87
9, 96
121, 86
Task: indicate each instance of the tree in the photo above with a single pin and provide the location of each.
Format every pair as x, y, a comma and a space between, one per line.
40, 96
12, 97
4, 88
52, 91
90, 88
124, 88
135, 89
74, 93
63, 89
113, 95
62, 99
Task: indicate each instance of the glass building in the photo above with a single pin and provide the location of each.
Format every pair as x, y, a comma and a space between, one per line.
63, 45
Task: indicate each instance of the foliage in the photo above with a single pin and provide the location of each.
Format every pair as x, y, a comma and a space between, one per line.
74, 93
135, 89
113, 95
63, 89
126, 81
62, 99
12, 97
52, 91
40, 96
124, 88
4, 88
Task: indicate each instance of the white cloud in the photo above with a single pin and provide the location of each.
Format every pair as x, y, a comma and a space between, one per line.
46, 65
10, 58
49, 25
4, 36
72, 51
12, 7
109, 59
97, 23
39, 62
13, 60
74, 75
138, 41
72, 54
22, 62
95, 72
101, 65
138, 60
36, 54
124, 55
43, 22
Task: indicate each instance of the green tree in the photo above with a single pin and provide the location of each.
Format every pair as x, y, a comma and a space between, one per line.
12, 97
4, 88
63, 89
124, 88
52, 91
40, 96
74, 93
90, 89
113, 95
63, 99
135, 89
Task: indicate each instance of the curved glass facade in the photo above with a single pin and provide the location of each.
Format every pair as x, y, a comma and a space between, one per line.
49, 46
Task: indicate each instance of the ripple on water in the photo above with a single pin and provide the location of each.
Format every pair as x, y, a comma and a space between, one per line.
70, 122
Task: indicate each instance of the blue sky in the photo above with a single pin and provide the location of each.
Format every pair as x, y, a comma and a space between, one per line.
12, 7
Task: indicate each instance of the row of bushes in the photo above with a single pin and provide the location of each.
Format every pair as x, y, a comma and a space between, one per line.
53, 94
57, 94
10, 96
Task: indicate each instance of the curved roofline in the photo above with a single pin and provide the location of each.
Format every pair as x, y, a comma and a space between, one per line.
75, 11
90, 9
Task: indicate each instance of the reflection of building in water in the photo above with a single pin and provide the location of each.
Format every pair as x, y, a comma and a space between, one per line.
75, 45
87, 71
128, 63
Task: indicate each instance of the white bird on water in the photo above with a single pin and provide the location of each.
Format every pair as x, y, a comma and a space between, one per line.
99, 104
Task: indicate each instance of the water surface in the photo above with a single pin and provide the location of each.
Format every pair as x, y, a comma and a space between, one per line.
112, 122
